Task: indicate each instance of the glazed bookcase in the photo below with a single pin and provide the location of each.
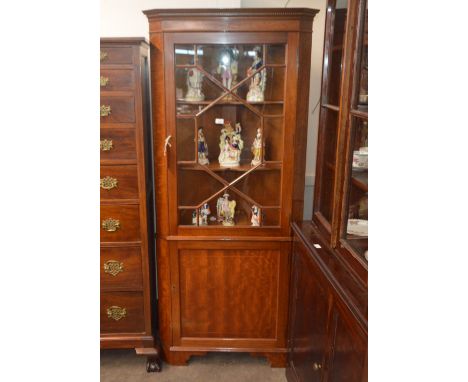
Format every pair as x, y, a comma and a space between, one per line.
225, 288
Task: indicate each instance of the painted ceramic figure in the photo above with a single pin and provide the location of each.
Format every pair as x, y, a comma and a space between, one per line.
230, 145
204, 213
258, 81
202, 148
228, 68
256, 213
226, 210
194, 85
257, 149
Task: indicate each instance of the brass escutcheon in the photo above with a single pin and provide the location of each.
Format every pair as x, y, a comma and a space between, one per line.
105, 110
113, 267
110, 225
104, 81
116, 312
103, 55
106, 144
108, 183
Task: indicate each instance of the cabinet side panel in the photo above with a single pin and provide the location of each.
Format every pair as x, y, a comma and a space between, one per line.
300, 138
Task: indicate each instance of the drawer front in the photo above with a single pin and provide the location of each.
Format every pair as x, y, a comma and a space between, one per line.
118, 144
122, 312
121, 268
116, 55
118, 109
119, 182
120, 223
117, 79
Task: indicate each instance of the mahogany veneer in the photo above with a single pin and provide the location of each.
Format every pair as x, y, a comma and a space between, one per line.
127, 257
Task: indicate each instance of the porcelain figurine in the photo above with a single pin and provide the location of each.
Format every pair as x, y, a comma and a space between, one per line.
194, 218
194, 85
256, 213
202, 148
230, 145
228, 68
258, 81
226, 210
204, 213
257, 149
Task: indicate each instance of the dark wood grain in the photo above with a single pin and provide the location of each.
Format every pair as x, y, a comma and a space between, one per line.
127, 182
133, 321
131, 276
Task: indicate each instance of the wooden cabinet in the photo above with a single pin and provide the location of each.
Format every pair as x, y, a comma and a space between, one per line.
328, 316
230, 97
127, 276
328, 313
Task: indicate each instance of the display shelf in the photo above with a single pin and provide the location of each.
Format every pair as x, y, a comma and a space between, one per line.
216, 167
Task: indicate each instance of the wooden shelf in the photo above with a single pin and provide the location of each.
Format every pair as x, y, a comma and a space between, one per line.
359, 179
184, 102
216, 167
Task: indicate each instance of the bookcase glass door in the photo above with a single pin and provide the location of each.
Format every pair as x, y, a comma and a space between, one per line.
355, 229
229, 133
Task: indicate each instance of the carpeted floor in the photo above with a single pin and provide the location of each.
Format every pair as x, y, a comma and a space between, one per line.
126, 366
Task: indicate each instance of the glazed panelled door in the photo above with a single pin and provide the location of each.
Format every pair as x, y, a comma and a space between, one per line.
226, 112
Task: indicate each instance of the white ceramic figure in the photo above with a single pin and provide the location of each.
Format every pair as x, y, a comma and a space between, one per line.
202, 148
226, 210
257, 149
258, 81
228, 67
194, 85
204, 213
230, 145
256, 216
194, 218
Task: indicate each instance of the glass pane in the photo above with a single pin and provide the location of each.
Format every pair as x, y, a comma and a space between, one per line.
186, 139
275, 54
185, 54
273, 138
357, 211
329, 121
333, 60
363, 69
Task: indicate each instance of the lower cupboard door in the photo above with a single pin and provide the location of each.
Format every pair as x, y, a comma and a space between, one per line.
309, 319
230, 294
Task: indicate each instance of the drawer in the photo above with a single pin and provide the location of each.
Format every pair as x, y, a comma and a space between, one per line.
120, 223
117, 79
121, 268
119, 182
122, 312
116, 55
120, 109
118, 144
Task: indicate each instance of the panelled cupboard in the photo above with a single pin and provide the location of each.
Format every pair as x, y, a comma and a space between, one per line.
127, 254
228, 86
328, 311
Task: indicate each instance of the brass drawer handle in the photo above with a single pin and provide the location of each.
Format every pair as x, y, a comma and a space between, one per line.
104, 81
106, 144
110, 225
113, 267
103, 55
108, 183
116, 312
316, 366
105, 110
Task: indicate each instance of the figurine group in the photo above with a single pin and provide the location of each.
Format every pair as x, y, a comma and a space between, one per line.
228, 70
225, 210
230, 146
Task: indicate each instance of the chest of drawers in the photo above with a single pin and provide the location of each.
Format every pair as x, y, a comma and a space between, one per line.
127, 253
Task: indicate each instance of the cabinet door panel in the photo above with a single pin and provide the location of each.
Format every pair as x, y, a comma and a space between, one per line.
349, 353
309, 320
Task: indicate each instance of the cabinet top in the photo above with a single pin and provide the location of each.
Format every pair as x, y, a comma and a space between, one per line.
124, 40
230, 12
231, 20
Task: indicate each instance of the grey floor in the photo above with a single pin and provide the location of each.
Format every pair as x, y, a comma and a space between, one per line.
124, 365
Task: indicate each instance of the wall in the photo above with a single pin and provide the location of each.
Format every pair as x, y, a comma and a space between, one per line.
124, 18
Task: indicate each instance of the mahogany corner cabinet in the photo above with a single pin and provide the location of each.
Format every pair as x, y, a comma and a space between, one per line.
230, 94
